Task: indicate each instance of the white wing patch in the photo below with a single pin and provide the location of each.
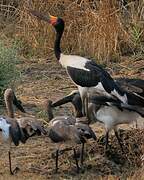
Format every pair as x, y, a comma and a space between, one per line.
122, 98
100, 89
4, 126
77, 62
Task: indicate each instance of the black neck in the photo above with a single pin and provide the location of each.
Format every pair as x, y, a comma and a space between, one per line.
57, 48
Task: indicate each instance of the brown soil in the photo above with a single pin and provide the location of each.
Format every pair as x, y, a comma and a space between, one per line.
45, 79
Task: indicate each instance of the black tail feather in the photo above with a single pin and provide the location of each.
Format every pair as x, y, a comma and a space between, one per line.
18, 104
102, 100
137, 109
134, 99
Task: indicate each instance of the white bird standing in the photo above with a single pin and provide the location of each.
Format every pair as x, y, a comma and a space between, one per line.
112, 113
85, 73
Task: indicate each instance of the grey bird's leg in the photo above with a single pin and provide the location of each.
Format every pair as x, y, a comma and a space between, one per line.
82, 154
16, 169
57, 154
10, 163
119, 139
76, 160
107, 140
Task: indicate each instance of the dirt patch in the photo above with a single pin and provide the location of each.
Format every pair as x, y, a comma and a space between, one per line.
36, 161
46, 79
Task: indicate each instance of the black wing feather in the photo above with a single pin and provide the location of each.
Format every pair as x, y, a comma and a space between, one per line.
102, 100
92, 77
82, 77
55, 136
15, 133
131, 85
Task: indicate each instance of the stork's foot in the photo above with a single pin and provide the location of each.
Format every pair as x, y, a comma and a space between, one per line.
15, 171
56, 170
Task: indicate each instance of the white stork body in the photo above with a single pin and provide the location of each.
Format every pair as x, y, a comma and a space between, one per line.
73, 61
87, 75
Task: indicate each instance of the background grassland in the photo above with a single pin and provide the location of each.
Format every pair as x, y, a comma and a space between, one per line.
102, 29
108, 31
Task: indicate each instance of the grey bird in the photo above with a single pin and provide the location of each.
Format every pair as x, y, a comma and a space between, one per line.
70, 130
14, 130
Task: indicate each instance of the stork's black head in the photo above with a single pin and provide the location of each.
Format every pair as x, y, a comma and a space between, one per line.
57, 22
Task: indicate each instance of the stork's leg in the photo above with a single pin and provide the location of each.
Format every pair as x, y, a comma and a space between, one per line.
107, 140
10, 163
75, 156
83, 94
119, 139
85, 111
86, 108
82, 154
83, 106
16, 169
57, 154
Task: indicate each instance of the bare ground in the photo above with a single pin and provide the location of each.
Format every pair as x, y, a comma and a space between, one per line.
45, 79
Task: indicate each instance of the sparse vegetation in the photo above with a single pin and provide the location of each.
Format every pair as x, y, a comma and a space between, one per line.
8, 71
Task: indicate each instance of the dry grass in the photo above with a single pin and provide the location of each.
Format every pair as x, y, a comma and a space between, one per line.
89, 32
102, 30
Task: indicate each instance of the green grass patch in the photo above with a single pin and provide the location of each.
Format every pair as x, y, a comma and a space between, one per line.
9, 72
